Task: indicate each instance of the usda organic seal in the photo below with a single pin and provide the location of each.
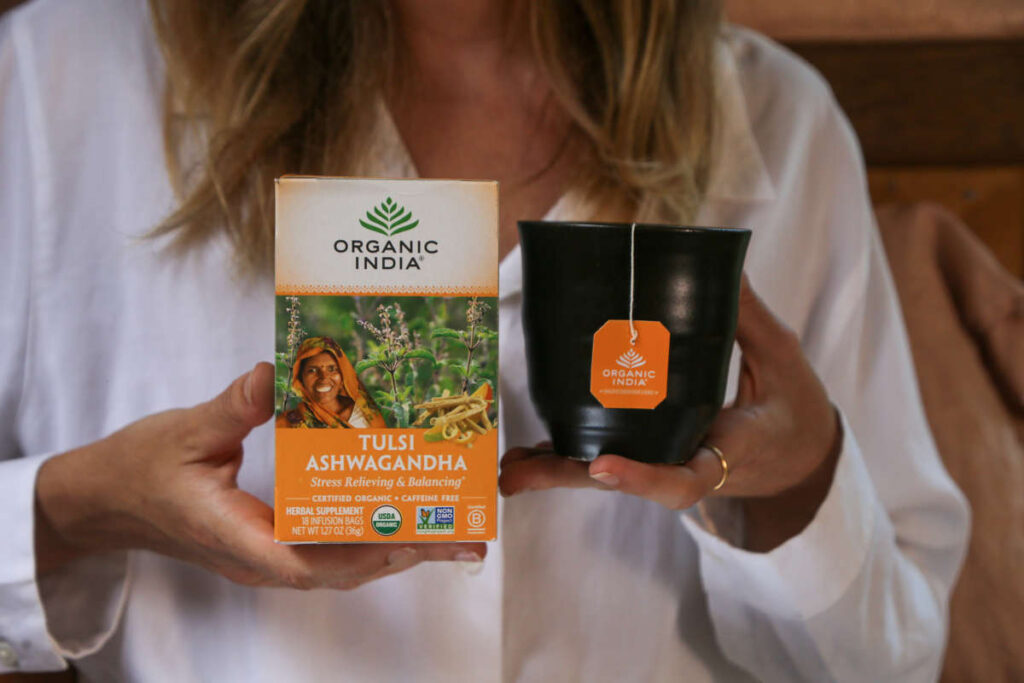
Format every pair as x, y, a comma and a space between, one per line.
386, 520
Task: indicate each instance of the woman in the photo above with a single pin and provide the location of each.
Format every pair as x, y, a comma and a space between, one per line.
330, 392
826, 554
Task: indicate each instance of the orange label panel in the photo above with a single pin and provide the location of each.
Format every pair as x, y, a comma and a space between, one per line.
374, 485
630, 375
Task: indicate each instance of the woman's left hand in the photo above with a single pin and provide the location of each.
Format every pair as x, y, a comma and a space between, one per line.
780, 438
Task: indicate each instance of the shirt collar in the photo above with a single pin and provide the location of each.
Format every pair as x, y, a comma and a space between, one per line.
738, 172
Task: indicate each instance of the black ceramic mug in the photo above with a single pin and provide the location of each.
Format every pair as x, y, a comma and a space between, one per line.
576, 277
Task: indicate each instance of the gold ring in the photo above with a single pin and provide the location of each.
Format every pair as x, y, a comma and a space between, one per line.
725, 466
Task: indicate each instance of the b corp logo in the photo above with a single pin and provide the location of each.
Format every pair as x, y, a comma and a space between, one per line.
476, 519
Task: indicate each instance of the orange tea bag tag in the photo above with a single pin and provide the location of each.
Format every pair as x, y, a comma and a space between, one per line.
629, 364
630, 375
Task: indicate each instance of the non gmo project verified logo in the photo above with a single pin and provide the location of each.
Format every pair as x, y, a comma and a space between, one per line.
435, 520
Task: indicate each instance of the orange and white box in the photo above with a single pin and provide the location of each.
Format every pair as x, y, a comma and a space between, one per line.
387, 360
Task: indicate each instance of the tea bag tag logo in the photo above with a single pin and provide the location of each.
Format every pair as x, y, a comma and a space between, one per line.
630, 375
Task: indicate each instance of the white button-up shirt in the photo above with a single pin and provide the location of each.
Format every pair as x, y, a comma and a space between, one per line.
98, 329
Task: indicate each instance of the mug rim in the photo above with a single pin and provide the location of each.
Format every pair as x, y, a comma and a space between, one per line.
646, 227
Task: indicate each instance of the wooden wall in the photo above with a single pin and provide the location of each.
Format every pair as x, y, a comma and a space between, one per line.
935, 91
989, 199
880, 20
940, 122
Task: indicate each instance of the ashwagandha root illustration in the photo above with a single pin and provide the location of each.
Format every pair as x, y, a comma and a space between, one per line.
460, 418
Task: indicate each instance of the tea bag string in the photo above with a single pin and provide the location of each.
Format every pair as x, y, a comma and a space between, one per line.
632, 279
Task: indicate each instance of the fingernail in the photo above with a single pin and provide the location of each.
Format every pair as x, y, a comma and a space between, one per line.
403, 557
606, 478
470, 562
247, 387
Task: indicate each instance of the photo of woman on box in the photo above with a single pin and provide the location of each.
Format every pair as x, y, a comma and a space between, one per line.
330, 392
139, 143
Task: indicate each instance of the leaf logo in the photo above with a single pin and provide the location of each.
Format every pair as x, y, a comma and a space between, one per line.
389, 219
631, 359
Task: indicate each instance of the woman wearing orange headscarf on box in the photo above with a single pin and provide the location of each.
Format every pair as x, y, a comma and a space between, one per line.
330, 391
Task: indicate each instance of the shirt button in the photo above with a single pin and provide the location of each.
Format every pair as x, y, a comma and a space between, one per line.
8, 657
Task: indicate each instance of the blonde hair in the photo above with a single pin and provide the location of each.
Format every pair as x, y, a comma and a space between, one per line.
260, 88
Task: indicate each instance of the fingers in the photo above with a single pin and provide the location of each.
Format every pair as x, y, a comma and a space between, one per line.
221, 423
536, 470
676, 487
248, 541
522, 452
345, 567
540, 468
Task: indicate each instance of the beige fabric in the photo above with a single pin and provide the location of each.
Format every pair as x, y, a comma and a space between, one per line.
965, 318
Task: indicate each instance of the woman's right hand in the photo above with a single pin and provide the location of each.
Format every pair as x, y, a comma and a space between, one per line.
168, 483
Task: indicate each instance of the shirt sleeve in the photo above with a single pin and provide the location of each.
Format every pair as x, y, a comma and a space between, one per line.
862, 593
70, 612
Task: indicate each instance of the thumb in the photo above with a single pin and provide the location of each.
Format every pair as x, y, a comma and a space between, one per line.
225, 420
759, 333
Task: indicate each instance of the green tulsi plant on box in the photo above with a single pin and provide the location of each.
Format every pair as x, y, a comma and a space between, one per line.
469, 339
286, 359
392, 353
